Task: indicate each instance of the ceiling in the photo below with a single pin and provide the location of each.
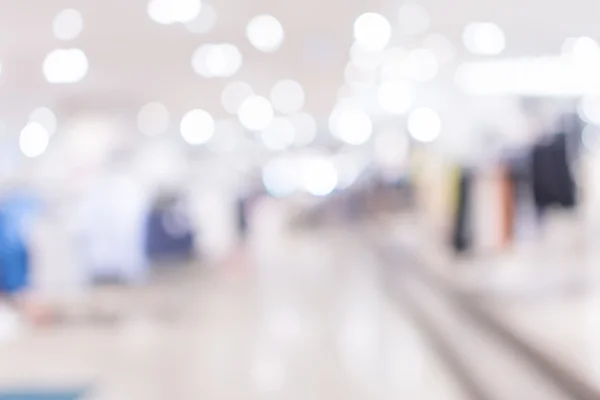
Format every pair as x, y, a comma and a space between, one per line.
134, 60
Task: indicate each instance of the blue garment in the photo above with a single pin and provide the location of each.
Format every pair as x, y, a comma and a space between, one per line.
168, 235
15, 213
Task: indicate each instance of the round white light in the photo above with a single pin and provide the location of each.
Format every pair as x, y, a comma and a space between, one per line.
348, 166
287, 96
265, 33
424, 125
223, 60
255, 113
393, 64
216, 60
281, 177
320, 177
305, 128
279, 135
227, 134
167, 12
358, 77
421, 65
197, 127
153, 119
585, 49
159, 11
372, 31
413, 19
204, 22
65, 66
234, 94
589, 109
590, 138
440, 46
484, 38
45, 117
391, 147
365, 58
352, 126
395, 97
67, 24
199, 58
34, 140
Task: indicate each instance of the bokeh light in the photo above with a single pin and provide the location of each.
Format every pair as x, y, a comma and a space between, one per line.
584, 50
153, 119
34, 140
372, 31
217, 60
204, 22
365, 58
421, 65
348, 167
391, 147
484, 38
45, 117
351, 125
65, 66
279, 135
234, 94
590, 138
440, 46
197, 127
395, 97
359, 77
320, 177
265, 33
67, 24
167, 12
287, 96
228, 133
413, 19
282, 177
589, 109
255, 113
305, 128
393, 64
424, 124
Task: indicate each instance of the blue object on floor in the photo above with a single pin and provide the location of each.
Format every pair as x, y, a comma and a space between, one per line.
41, 395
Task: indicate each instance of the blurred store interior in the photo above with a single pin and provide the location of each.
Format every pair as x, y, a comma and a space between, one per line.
224, 199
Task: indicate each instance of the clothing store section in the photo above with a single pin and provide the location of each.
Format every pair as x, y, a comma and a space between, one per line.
350, 199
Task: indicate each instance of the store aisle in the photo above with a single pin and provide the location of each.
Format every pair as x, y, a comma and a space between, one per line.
305, 317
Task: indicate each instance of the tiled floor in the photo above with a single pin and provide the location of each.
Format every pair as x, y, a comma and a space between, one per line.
303, 317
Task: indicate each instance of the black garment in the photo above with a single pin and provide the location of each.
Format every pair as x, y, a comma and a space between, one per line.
461, 232
553, 183
242, 217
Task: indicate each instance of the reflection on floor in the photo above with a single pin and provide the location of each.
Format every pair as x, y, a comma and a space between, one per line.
304, 317
546, 292
38, 395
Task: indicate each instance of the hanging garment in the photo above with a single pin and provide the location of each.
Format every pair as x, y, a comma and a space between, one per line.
56, 272
169, 233
461, 231
242, 216
522, 213
112, 235
16, 214
486, 217
553, 184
